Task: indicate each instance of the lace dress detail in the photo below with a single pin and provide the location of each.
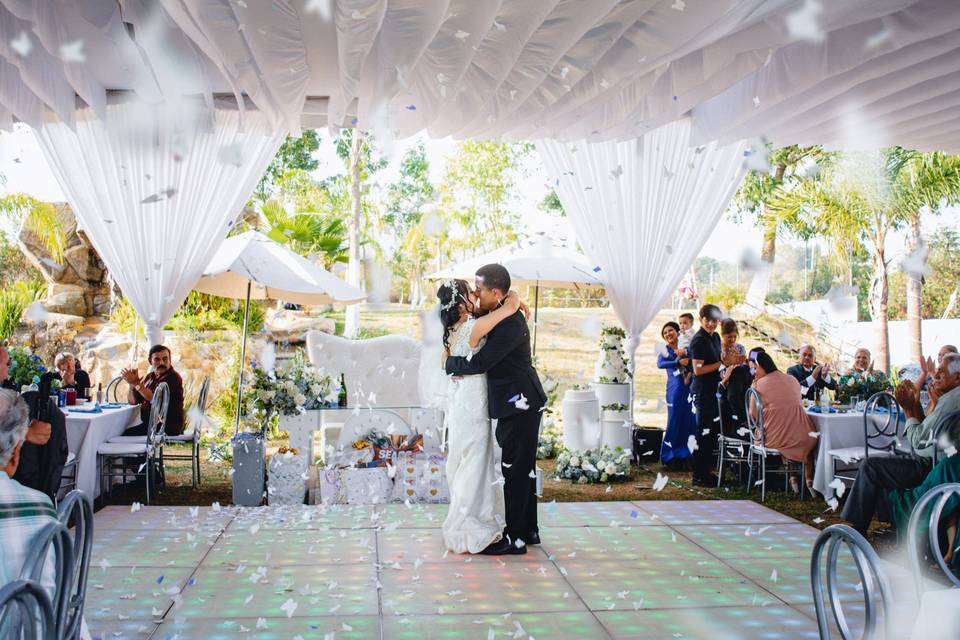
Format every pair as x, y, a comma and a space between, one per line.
476, 515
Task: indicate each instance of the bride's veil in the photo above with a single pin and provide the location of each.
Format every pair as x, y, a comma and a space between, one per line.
433, 380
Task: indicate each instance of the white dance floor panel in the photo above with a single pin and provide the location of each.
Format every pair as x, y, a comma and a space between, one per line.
690, 569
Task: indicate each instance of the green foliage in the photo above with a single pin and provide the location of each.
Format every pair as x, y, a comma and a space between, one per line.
726, 296
306, 233
26, 367
551, 204
40, 218
14, 300
123, 316
14, 266
944, 247
204, 312
295, 154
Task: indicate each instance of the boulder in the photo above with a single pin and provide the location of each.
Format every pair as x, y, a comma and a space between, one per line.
67, 299
285, 325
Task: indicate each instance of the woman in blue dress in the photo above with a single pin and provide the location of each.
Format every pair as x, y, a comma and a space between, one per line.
681, 422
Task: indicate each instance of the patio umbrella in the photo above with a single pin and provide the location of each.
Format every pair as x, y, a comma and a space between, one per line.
254, 267
537, 263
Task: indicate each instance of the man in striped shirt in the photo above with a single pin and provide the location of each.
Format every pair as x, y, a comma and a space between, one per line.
23, 511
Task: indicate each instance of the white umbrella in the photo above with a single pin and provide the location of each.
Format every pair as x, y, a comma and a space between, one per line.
537, 263
254, 267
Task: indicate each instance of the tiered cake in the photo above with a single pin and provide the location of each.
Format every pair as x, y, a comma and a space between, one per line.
612, 364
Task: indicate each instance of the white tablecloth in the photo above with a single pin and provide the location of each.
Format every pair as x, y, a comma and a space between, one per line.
837, 430
87, 431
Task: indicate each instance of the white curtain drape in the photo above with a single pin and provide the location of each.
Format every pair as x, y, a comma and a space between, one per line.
157, 189
642, 209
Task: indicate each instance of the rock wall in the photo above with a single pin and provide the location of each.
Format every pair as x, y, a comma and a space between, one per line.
79, 286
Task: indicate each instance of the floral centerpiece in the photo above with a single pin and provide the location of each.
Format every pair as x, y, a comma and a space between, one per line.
863, 384
25, 366
594, 465
294, 389
551, 440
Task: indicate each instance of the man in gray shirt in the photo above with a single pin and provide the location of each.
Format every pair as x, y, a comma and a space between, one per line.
879, 474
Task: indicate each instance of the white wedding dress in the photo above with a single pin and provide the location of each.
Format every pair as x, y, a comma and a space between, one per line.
476, 515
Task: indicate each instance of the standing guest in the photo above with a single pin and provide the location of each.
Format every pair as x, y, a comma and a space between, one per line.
70, 375
813, 377
141, 392
45, 449
708, 368
681, 423
729, 333
23, 511
879, 474
786, 425
927, 366
861, 362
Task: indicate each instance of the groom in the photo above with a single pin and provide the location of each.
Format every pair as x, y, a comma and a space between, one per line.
515, 398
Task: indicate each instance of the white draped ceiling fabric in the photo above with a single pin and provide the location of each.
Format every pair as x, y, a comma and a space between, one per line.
642, 210
157, 190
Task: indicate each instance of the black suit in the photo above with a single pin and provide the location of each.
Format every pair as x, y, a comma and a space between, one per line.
41, 466
505, 358
803, 377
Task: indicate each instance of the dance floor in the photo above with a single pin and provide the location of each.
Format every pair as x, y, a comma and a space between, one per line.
688, 569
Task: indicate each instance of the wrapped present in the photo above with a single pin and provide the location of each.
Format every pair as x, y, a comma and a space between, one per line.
368, 486
332, 486
388, 448
421, 479
287, 476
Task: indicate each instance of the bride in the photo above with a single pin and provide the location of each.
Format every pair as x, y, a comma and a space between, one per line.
476, 515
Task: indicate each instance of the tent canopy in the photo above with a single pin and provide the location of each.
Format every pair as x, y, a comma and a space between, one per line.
275, 273
535, 263
862, 72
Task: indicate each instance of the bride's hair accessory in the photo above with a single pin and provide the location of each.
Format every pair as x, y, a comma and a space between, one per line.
456, 298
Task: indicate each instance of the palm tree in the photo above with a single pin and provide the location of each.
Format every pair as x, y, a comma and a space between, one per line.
40, 218
920, 180
850, 203
305, 232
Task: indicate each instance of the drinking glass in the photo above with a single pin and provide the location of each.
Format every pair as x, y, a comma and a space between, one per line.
854, 402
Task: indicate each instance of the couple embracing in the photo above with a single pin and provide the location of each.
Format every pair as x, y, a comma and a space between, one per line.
487, 357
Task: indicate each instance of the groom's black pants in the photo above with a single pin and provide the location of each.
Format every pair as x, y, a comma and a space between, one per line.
517, 436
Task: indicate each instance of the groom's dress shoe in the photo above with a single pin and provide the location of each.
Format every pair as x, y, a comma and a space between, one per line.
504, 548
532, 538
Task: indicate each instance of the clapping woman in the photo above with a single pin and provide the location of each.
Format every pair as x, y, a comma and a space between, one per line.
681, 422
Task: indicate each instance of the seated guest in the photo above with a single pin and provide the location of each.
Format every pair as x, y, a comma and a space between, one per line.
927, 366
813, 377
786, 425
728, 339
71, 376
44, 453
879, 474
733, 387
681, 422
861, 362
141, 392
23, 511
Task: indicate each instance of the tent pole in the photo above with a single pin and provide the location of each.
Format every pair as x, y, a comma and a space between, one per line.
243, 355
536, 315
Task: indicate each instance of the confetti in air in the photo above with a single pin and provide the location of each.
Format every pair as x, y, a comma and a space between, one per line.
21, 45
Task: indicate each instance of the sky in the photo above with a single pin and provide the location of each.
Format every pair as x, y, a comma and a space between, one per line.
26, 170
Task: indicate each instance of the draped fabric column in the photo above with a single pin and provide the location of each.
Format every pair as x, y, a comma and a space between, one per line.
157, 188
642, 210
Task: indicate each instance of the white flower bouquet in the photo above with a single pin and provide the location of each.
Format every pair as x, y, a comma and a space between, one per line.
294, 389
594, 465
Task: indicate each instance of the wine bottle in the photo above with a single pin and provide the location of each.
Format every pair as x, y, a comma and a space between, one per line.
342, 398
99, 393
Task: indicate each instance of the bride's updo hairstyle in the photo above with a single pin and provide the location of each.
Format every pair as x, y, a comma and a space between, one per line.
451, 295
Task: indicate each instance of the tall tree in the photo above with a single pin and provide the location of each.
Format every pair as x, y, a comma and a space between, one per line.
757, 189
407, 200
307, 233
293, 155
920, 181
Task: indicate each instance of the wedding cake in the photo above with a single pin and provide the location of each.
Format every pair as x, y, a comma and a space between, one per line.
612, 364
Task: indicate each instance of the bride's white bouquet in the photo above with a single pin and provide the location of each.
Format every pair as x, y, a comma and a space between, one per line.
594, 465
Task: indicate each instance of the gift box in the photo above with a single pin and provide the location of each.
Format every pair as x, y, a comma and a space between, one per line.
421, 478
368, 486
387, 449
332, 486
286, 479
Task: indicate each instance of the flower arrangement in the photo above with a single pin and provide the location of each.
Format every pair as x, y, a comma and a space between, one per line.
861, 384
297, 388
25, 366
594, 465
551, 439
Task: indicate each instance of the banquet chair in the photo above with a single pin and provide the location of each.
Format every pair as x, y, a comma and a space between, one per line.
731, 448
191, 437
759, 451
68, 477
112, 392
875, 588
881, 430
25, 611
113, 456
76, 507
53, 539
935, 501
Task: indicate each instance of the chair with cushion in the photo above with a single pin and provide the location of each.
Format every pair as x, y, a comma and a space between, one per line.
76, 509
759, 451
881, 430
54, 542
191, 437
875, 588
26, 612
113, 456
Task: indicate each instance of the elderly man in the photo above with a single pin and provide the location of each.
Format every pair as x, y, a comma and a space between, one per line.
927, 367
45, 450
141, 392
862, 362
23, 511
880, 474
813, 377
